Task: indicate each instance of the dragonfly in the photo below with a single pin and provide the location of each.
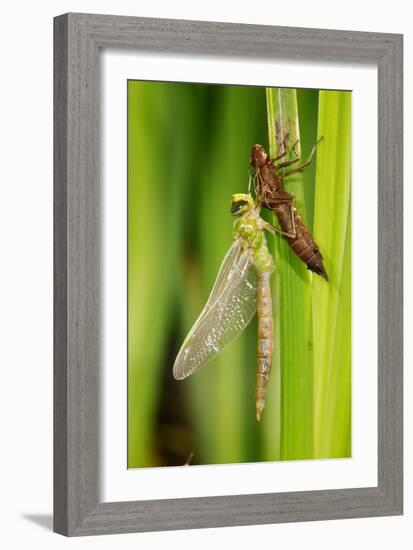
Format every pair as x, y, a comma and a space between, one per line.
241, 289
269, 187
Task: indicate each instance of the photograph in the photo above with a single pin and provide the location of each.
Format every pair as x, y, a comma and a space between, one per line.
239, 261
228, 273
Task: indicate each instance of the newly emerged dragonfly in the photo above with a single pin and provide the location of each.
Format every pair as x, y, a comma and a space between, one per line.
242, 288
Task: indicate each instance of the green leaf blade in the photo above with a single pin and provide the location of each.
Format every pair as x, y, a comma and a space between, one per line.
292, 302
332, 327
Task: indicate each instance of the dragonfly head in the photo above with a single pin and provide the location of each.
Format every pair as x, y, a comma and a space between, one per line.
241, 203
258, 157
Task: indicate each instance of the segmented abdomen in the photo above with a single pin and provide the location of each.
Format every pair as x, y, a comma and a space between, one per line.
277, 199
264, 362
306, 248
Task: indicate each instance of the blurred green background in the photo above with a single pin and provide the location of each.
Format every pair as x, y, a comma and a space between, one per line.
188, 152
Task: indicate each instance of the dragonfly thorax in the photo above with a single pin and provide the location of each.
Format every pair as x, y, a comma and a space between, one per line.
247, 229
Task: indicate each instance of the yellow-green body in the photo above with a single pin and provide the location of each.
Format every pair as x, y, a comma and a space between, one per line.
250, 228
241, 289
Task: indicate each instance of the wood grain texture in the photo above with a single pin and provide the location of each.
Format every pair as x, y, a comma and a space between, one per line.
60, 279
390, 273
78, 39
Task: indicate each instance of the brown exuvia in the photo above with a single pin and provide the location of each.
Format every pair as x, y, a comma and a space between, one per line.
273, 196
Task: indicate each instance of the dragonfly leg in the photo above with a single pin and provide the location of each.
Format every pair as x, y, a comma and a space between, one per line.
289, 162
292, 209
272, 229
271, 201
250, 180
286, 163
305, 163
293, 220
281, 155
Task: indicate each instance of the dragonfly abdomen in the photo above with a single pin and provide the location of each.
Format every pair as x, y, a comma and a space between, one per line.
274, 197
306, 249
264, 362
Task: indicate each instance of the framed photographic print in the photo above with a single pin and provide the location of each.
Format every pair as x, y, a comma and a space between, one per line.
229, 197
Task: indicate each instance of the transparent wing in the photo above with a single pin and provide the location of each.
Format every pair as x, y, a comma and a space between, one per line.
230, 307
226, 271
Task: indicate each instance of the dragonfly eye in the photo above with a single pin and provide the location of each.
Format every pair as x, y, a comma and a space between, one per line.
238, 207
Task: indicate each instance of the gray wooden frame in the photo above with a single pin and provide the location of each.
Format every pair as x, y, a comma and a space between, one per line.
78, 39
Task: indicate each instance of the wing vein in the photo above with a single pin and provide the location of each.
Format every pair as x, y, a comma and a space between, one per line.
229, 309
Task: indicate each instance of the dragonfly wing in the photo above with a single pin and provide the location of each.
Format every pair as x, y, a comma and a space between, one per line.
228, 268
230, 307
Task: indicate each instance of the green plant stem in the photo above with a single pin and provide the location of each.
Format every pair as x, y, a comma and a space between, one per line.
332, 231
292, 298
